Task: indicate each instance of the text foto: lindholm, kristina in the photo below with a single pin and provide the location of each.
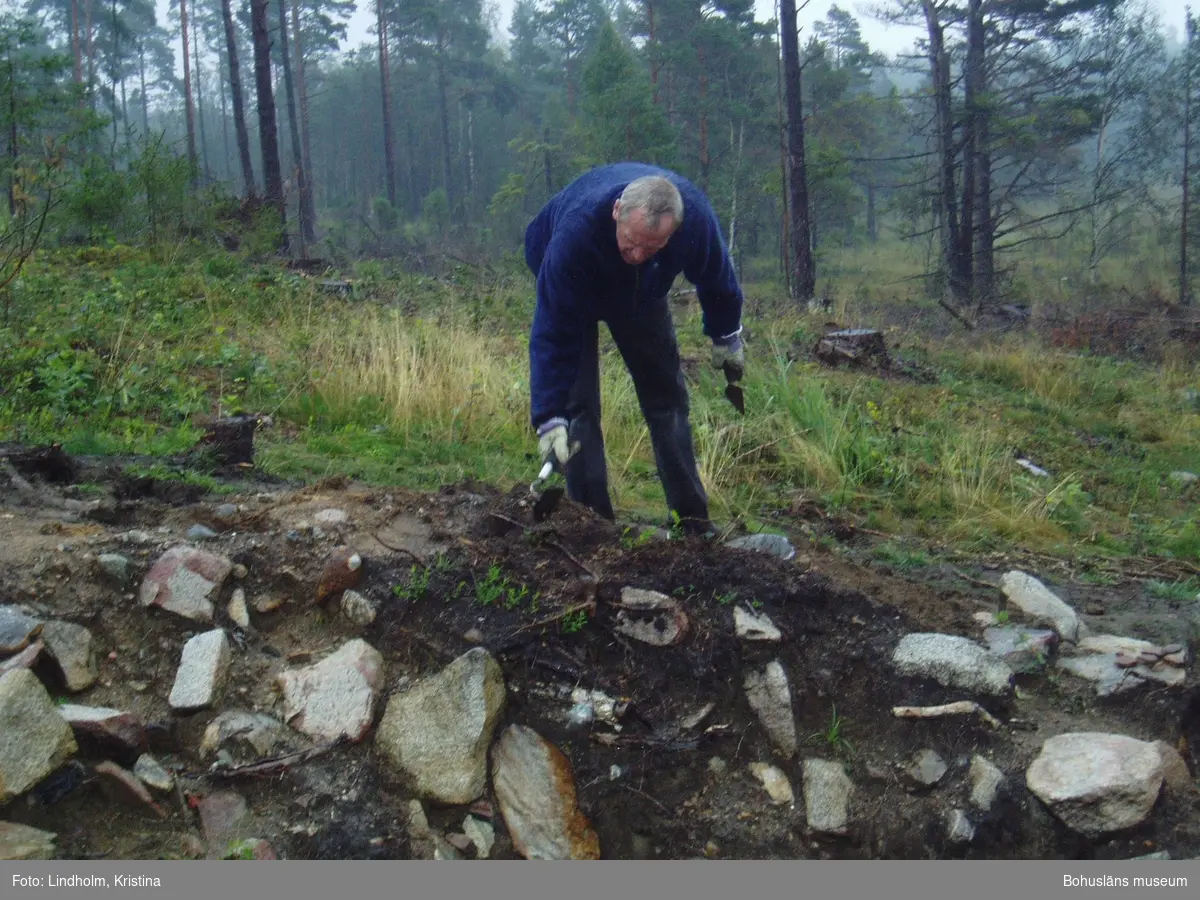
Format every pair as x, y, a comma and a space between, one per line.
102, 881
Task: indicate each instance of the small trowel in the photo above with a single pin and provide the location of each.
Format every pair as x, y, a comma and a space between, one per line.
547, 498
733, 391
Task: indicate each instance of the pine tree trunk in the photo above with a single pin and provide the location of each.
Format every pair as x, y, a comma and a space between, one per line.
222, 68
470, 151
76, 50
362, 176
955, 295
444, 102
410, 146
733, 202
145, 99
268, 133
90, 51
652, 50
704, 159
307, 202
235, 94
983, 253
385, 78
293, 124
804, 272
200, 101
872, 220
974, 115
116, 116
187, 86
1185, 294
785, 253
14, 148
125, 115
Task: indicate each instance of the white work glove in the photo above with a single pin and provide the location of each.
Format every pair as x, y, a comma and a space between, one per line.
552, 442
729, 351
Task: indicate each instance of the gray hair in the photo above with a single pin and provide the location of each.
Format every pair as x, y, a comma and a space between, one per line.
655, 194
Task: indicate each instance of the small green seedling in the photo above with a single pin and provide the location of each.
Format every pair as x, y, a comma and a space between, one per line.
574, 622
834, 737
727, 598
418, 584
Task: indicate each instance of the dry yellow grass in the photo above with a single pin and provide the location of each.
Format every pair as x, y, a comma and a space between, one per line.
442, 378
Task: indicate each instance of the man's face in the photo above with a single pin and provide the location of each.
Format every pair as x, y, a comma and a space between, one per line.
636, 240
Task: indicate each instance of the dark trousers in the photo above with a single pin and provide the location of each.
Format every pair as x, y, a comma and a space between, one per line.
646, 342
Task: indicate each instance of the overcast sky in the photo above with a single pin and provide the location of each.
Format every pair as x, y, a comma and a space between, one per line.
886, 38
889, 39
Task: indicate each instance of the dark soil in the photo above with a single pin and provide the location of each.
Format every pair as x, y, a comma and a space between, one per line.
649, 789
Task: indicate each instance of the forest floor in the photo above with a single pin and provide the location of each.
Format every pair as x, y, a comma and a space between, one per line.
651, 780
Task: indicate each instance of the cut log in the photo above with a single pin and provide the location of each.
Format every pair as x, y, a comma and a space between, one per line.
855, 347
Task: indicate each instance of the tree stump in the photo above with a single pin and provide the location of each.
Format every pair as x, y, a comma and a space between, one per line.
50, 463
856, 347
309, 265
231, 440
334, 286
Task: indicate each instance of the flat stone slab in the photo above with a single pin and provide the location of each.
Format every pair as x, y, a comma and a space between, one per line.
651, 617
953, 662
357, 608
771, 544
34, 739
827, 794
535, 789
926, 768
105, 732
19, 842
1176, 775
247, 737
331, 516
185, 580
959, 828
71, 647
481, 834
1041, 604
126, 788
224, 816
18, 629
116, 566
1022, 649
986, 779
238, 610
151, 773
1097, 783
335, 697
754, 626
26, 659
770, 696
1116, 664
202, 671
774, 782
438, 732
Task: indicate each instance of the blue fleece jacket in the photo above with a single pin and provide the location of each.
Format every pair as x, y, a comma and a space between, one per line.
571, 246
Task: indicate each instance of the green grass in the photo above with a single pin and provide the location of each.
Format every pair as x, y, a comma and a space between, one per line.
1184, 590
420, 381
159, 472
901, 557
834, 736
